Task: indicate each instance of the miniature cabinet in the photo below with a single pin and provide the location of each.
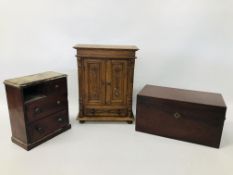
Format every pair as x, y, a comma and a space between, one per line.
105, 75
38, 107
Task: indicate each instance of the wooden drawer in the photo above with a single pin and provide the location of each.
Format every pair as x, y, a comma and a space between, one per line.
58, 86
45, 106
105, 112
47, 125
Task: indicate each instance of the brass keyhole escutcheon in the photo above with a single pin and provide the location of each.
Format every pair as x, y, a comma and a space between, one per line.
177, 115
108, 83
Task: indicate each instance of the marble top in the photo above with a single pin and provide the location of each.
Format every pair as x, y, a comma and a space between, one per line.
31, 79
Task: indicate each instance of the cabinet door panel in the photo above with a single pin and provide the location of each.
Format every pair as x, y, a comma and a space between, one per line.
116, 82
94, 81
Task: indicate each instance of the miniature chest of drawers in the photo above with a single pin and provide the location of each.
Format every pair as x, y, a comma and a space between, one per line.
38, 107
105, 82
181, 114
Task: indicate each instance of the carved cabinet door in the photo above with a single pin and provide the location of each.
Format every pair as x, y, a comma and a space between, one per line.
116, 82
94, 85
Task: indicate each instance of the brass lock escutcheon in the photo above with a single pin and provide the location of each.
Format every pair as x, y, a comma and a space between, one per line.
177, 115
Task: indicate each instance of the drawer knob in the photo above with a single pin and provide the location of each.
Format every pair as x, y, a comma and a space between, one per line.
57, 86
177, 115
58, 102
37, 110
60, 120
39, 129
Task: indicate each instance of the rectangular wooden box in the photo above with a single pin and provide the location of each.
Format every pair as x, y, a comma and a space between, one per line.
191, 116
38, 107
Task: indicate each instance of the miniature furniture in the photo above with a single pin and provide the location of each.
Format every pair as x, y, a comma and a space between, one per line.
105, 74
192, 116
38, 107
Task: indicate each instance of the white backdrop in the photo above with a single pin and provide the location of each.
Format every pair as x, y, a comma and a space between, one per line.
183, 43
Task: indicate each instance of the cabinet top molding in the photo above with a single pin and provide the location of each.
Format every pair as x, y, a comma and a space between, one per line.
106, 47
32, 79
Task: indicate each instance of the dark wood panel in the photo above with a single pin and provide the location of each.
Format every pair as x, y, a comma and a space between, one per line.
205, 98
185, 121
16, 112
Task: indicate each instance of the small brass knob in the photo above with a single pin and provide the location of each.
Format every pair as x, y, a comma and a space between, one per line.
58, 102
60, 119
57, 86
37, 110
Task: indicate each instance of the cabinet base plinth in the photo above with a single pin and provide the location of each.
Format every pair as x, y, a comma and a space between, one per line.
127, 119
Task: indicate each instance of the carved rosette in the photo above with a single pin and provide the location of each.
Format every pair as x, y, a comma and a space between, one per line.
116, 89
94, 94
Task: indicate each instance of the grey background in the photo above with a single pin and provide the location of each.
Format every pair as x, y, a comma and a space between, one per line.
183, 43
